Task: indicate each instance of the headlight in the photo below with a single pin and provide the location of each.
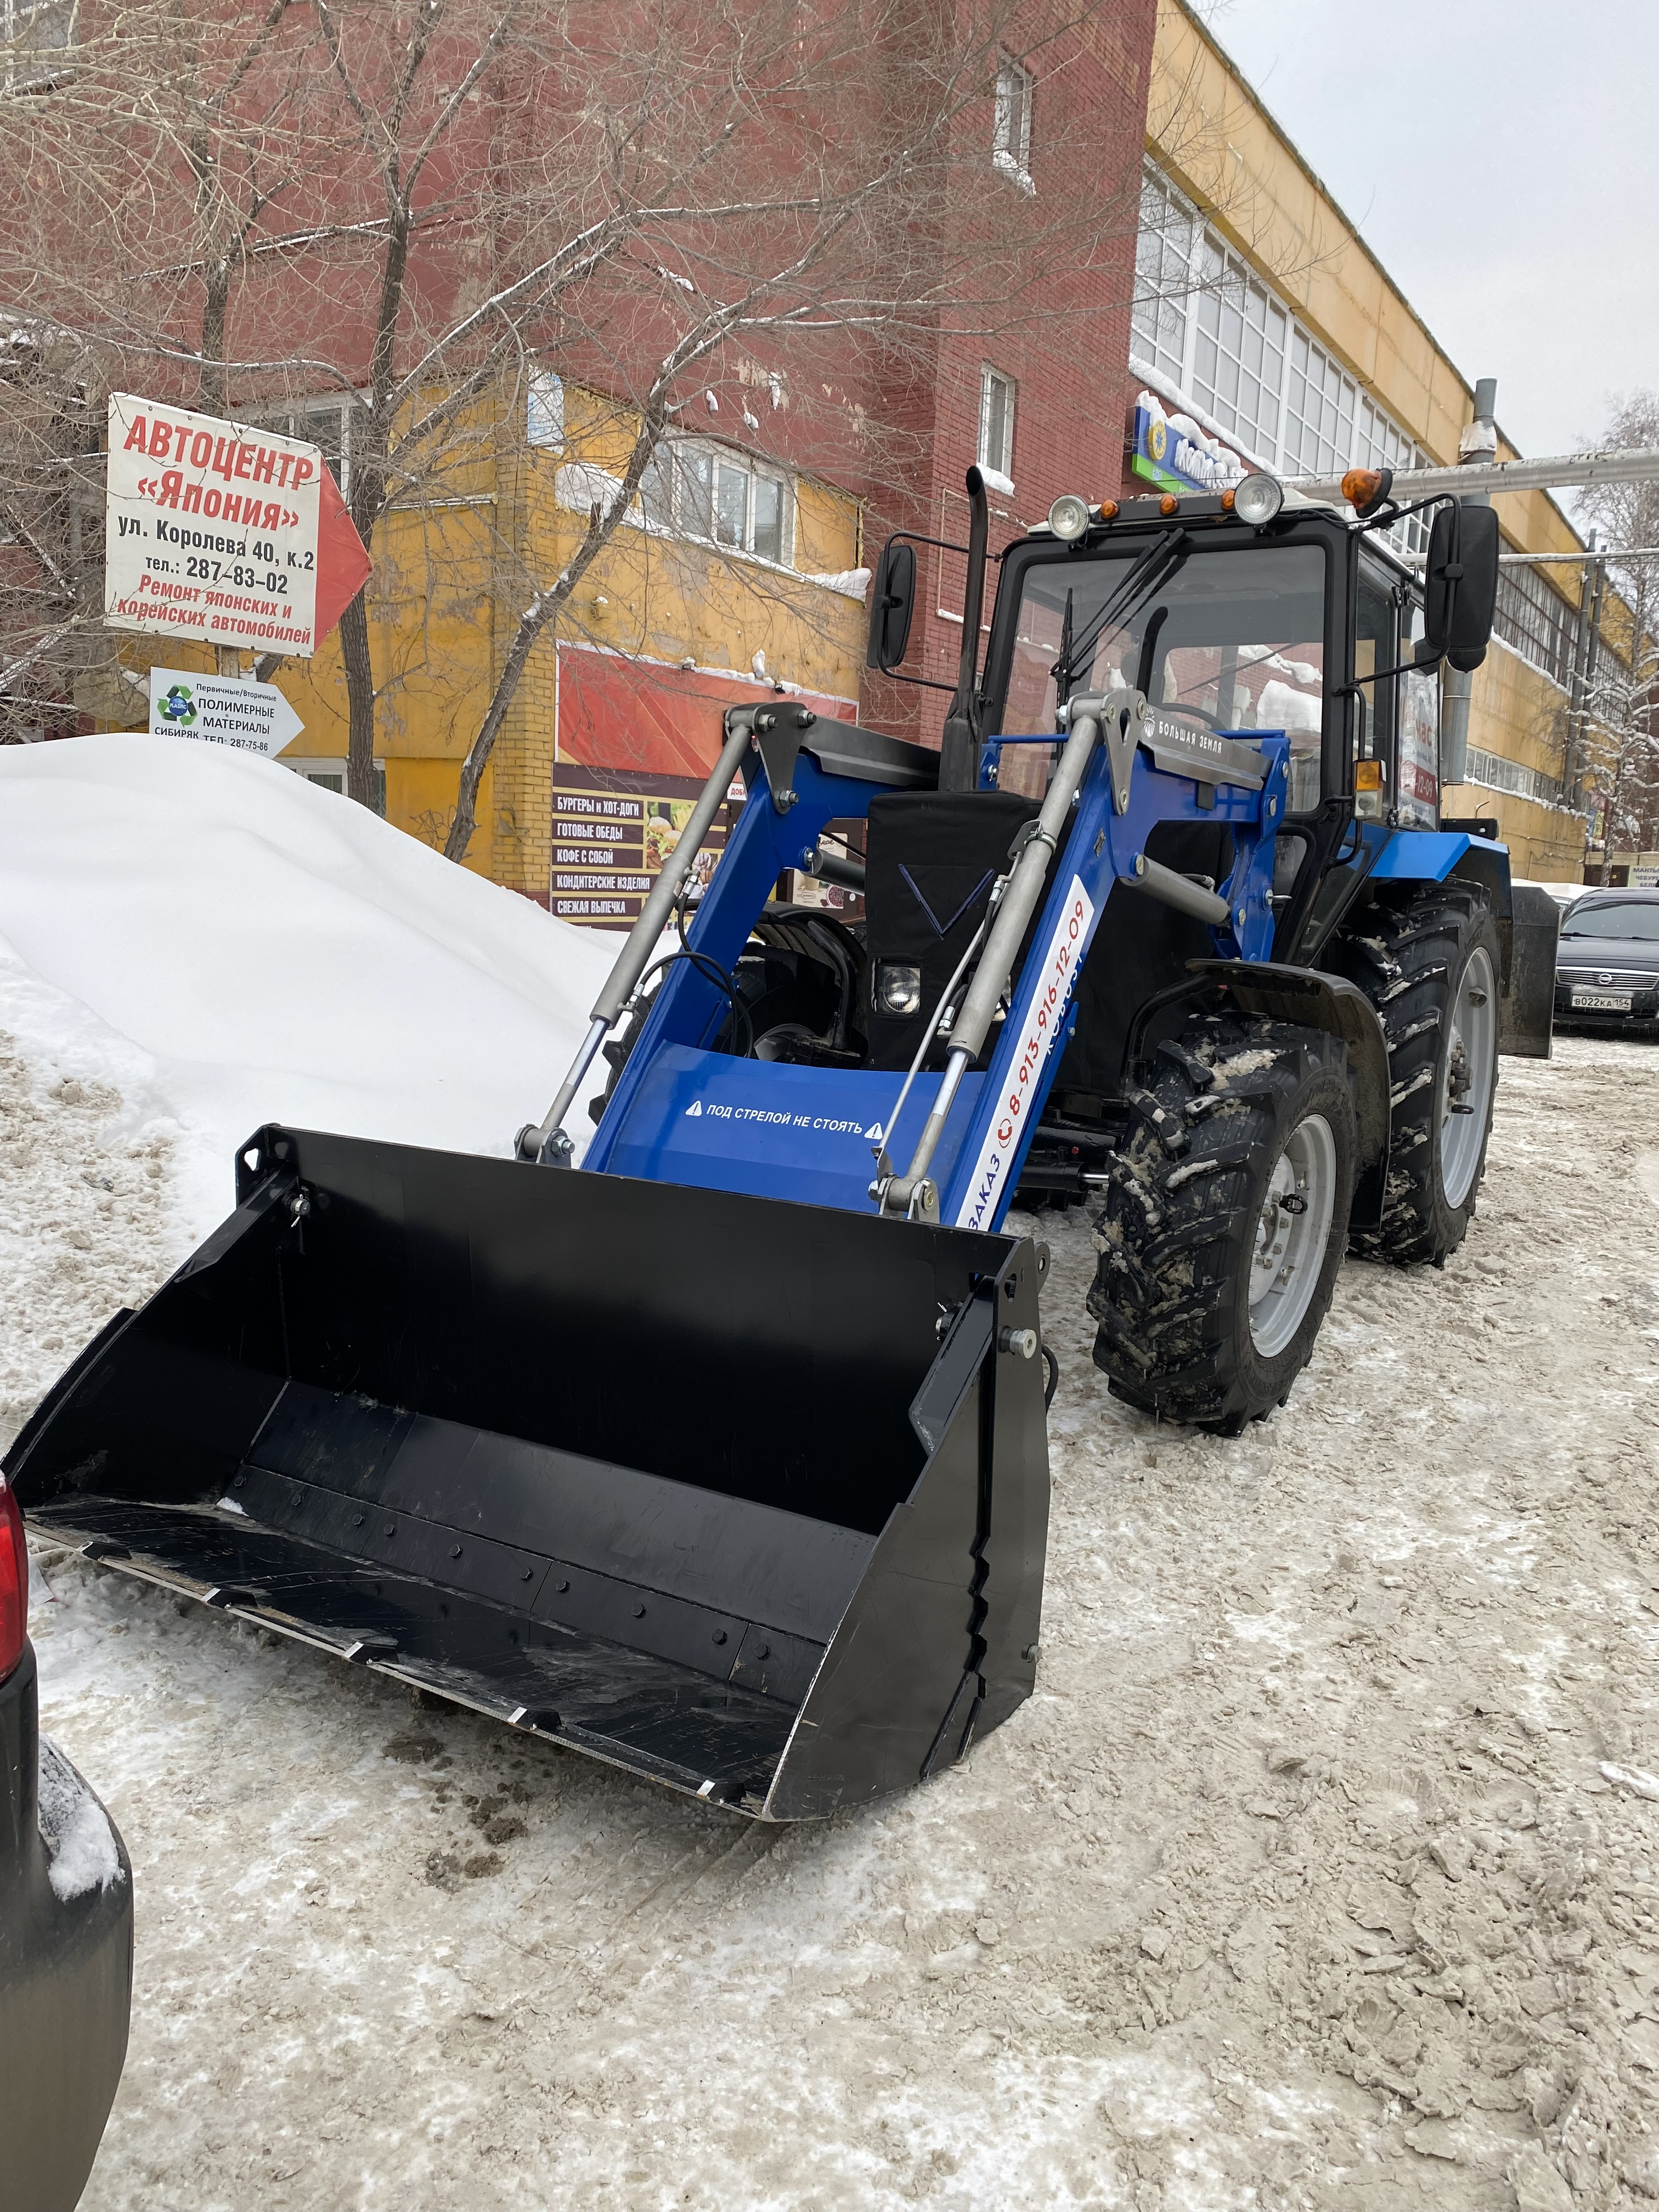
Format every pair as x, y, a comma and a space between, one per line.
1258, 499
1068, 518
898, 988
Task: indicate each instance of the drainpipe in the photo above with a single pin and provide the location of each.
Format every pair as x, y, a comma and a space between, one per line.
1478, 444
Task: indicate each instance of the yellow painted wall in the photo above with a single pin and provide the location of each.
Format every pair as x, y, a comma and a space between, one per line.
1208, 132
450, 579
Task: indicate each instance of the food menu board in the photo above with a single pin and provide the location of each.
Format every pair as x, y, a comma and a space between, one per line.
612, 830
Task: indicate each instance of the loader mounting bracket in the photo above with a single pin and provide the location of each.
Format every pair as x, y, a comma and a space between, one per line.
778, 733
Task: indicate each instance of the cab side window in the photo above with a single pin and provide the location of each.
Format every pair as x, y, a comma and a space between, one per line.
1375, 647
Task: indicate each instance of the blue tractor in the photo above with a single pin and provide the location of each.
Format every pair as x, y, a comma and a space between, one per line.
720, 1456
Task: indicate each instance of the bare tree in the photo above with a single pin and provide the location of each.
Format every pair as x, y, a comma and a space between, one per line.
142, 168
1622, 697
422, 207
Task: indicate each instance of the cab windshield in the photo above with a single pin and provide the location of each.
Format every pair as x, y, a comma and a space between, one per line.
1232, 638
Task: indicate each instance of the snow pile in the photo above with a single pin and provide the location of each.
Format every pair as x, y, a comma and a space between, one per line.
225, 944
81, 1846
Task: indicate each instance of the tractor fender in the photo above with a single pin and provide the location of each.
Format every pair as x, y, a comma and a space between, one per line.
1527, 922
1330, 1003
1434, 856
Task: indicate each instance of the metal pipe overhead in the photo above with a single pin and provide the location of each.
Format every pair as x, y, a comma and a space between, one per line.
1639, 465
1581, 559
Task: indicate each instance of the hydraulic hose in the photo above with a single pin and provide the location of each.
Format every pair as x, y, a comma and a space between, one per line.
546, 1141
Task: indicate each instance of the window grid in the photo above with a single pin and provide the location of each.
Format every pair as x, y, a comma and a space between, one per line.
1238, 353
1163, 268
1536, 622
34, 34
325, 422
1493, 773
1204, 320
715, 493
544, 411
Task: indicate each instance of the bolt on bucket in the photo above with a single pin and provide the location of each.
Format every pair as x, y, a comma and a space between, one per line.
747, 1497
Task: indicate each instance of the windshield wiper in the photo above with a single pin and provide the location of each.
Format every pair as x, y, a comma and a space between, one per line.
1149, 573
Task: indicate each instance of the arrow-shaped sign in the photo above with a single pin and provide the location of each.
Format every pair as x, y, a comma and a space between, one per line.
219, 710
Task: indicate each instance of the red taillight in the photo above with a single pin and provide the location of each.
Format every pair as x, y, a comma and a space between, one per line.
13, 1581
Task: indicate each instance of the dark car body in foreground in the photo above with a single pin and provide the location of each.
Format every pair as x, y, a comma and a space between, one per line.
65, 1933
1607, 964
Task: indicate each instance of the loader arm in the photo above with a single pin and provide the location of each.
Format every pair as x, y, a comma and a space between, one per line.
685, 1111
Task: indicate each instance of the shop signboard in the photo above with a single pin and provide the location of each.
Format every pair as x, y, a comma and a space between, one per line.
613, 830
211, 529
1171, 452
223, 532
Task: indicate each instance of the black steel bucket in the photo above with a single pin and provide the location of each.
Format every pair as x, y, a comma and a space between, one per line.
748, 1497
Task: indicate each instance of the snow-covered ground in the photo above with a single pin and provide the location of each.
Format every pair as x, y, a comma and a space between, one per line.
1322, 1871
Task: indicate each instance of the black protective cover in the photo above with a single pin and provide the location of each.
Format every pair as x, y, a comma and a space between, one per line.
930, 860
1527, 1012
738, 1494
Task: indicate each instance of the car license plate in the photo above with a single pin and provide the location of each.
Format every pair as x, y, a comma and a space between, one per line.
1602, 1002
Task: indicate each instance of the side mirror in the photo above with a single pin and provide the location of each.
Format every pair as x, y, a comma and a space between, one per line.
892, 603
1459, 586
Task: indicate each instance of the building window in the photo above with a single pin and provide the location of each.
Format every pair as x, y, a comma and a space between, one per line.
325, 421
39, 36
1238, 353
1535, 621
996, 428
1319, 413
330, 775
714, 493
1163, 277
1012, 135
544, 411
1227, 347
1493, 773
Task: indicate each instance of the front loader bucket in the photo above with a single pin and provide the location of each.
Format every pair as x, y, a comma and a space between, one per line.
748, 1497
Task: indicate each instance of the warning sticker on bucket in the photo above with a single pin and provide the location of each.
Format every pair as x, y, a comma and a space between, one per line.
1045, 1019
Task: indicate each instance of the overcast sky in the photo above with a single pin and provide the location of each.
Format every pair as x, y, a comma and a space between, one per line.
1502, 162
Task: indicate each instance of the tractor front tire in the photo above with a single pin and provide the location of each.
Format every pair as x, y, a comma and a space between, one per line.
1225, 1221
1430, 966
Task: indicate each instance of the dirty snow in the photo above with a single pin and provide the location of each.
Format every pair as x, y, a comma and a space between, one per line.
1319, 1873
81, 1848
1322, 1872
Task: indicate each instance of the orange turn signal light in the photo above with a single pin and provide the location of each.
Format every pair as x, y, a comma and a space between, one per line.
1227, 501
1368, 776
1108, 510
1168, 504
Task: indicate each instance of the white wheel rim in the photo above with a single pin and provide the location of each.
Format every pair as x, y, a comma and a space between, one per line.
1468, 1073
1292, 1234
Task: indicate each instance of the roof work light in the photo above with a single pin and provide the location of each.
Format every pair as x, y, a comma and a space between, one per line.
1068, 518
1257, 498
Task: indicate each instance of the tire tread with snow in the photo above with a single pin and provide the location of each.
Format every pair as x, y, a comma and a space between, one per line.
1411, 952
1189, 1202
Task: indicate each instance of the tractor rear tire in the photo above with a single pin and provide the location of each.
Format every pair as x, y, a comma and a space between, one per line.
1225, 1221
1430, 966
